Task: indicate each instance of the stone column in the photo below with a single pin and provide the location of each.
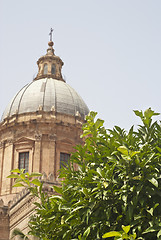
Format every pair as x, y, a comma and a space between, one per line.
37, 153
52, 166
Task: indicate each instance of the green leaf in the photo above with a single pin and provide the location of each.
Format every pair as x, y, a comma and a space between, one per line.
126, 229
159, 234
154, 182
77, 208
149, 113
80, 237
18, 180
105, 184
138, 113
150, 211
99, 171
133, 153
156, 114
58, 189
111, 234
137, 178
56, 197
35, 175
150, 229
158, 148
16, 170
37, 204
134, 235
13, 176
36, 182
156, 205
18, 185
87, 232
99, 123
85, 191
123, 150
130, 211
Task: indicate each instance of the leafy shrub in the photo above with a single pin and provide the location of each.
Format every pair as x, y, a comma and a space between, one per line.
118, 182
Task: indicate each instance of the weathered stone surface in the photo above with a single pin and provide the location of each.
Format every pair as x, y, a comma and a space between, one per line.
4, 221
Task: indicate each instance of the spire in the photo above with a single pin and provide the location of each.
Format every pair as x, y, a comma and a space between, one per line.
51, 31
50, 65
50, 43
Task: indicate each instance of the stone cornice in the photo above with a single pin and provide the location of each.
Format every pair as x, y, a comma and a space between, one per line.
49, 76
25, 119
51, 58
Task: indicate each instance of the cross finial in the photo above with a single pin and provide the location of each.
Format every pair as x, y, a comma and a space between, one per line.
51, 30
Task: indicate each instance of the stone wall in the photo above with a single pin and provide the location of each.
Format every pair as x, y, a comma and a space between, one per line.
44, 136
4, 221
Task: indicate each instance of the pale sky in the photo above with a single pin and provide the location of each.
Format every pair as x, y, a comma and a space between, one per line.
111, 51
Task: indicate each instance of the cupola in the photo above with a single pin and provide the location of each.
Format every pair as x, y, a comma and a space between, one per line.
50, 65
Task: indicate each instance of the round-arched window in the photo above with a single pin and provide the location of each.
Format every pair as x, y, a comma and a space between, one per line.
45, 68
53, 69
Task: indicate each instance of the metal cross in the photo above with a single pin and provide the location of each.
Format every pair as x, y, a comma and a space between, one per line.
51, 30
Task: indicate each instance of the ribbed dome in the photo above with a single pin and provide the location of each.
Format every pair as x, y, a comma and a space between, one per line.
47, 94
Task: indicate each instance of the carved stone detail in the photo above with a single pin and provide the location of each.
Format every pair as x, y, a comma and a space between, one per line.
51, 177
9, 140
1, 203
52, 137
38, 136
44, 177
2, 143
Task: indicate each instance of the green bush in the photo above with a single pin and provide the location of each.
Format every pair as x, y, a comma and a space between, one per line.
118, 182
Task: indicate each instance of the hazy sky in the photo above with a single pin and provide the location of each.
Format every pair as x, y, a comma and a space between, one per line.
111, 51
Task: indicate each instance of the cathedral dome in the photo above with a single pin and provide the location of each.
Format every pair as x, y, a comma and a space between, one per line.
47, 94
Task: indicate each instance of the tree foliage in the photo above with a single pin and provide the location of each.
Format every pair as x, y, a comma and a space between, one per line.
124, 234
118, 182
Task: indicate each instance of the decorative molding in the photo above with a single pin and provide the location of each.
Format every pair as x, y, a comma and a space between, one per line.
44, 176
51, 177
1, 203
7, 141
2, 143
66, 141
53, 108
38, 136
18, 197
3, 209
78, 114
52, 137
24, 140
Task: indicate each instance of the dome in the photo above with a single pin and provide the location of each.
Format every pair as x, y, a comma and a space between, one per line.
47, 94
48, 91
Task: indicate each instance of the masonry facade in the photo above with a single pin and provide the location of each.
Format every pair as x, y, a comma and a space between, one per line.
38, 130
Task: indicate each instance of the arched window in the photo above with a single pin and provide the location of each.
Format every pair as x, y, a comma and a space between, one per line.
45, 68
53, 69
